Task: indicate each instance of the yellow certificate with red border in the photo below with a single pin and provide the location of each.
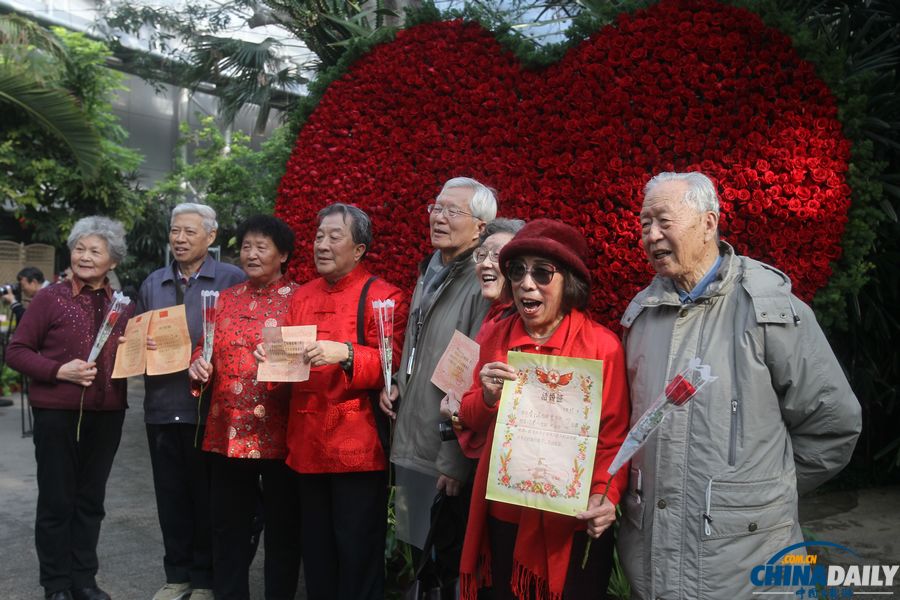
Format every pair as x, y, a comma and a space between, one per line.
545, 438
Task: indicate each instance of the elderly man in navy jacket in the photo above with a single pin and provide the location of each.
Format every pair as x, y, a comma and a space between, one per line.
180, 471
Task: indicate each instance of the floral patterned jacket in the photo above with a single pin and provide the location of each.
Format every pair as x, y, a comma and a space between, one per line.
247, 418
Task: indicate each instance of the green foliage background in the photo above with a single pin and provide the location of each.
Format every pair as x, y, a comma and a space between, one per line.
41, 176
233, 178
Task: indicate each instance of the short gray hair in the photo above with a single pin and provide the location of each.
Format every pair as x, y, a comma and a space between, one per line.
113, 232
360, 223
192, 208
501, 225
484, 199
700, 195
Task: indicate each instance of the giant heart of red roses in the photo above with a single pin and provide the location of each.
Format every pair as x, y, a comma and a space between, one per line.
683, 85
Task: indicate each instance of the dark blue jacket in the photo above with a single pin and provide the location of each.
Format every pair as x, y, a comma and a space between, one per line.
168, 397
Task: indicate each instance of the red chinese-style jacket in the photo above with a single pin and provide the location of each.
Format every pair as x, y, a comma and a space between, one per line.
247, 418
331, 428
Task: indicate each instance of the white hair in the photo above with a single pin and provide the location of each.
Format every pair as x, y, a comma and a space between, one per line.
484, 199
192, 208
700, 195
111, 231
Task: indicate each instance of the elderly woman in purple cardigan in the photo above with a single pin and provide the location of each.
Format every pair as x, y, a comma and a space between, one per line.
50, 346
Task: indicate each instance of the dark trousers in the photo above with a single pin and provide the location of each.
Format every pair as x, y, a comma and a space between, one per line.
235, 498
181, 483
71, 479
344, 521
581, 584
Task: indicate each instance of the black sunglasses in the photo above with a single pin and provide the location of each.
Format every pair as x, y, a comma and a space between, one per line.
541, 275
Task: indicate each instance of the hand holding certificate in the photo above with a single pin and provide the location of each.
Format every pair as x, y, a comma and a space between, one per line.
284, 353
545, 438
453, 372
167, 327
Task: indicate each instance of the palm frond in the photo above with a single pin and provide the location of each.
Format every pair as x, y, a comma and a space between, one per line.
56, 111
16, 30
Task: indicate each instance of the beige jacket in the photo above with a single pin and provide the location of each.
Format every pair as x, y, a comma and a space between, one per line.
714, 491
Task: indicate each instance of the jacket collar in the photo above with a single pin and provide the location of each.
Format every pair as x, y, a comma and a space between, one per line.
78, 285
268, 288
519, 338
455, 265
662, 292
207, 269
359, 272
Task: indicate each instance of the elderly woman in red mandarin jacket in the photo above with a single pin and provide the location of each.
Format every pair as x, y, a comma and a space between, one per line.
333, 438
527, 553
247, 423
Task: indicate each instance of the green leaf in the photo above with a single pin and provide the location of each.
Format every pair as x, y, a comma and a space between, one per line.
56, 111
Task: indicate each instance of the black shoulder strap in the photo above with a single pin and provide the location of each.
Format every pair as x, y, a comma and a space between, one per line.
382, 426
361, 311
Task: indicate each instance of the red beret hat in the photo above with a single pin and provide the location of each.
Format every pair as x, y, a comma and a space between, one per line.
553, 240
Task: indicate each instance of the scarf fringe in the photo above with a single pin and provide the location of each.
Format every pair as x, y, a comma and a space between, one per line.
470, 583
528, 584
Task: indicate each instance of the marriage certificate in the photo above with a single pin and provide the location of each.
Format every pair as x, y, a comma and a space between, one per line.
284, 353
168, 329
545, 438
456, 365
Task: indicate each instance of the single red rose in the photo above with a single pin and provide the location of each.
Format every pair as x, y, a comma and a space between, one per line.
679, 390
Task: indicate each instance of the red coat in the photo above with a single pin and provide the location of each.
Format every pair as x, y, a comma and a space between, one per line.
247, 418
331, 428
544, 542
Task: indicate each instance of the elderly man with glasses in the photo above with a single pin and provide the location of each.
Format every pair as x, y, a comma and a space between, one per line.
447, 297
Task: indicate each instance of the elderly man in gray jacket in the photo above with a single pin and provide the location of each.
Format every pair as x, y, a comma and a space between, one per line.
714, 492
447, 298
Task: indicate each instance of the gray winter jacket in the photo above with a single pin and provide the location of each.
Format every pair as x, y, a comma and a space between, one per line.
714, 492
456, 304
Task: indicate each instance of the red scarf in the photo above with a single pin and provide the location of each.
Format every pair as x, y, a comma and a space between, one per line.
544, 541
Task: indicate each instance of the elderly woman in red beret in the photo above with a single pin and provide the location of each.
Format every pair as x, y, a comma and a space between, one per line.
523, 552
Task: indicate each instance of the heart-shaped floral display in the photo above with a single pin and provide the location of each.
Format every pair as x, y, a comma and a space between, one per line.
683, 85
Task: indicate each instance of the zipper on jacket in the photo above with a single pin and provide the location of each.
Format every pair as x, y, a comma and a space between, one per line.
639, 488
707, 519
416, 330
421, 316
732, 448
